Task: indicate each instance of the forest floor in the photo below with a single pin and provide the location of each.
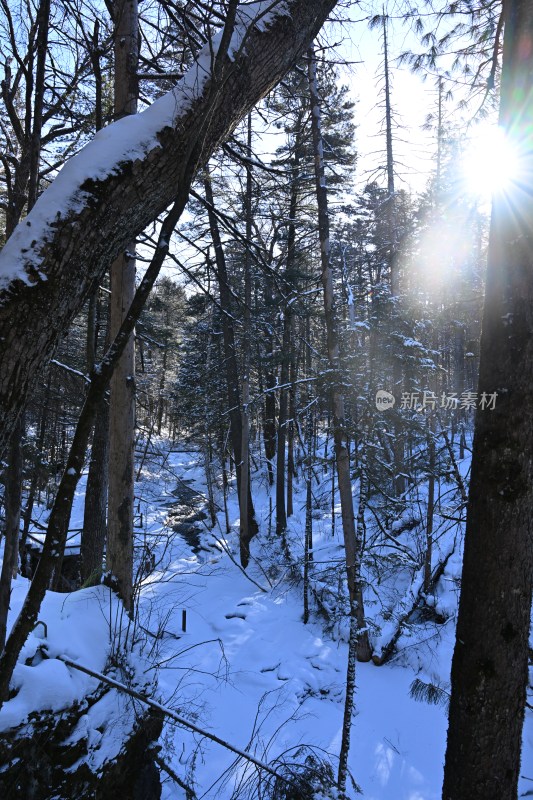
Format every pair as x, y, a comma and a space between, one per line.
247, 669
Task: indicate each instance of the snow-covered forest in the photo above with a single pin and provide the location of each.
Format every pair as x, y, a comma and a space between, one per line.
266, 398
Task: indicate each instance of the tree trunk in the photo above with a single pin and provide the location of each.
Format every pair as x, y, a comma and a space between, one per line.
95, 512
287, 341
94, 531
342, 455
431, 505
28, 179
13, 495
245, 533
230, 358
490, 661
291, 425
269, 418
119, 561
82, 224
57, 528
398, 445
308, 535
122, 395
208, 450
281, 513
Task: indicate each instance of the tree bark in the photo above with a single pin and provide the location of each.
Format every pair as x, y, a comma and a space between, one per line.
245, 532
281, 511
291, 469
57, 528
95, 512
81, 225
13, 496
490, 661
430, 438
232, 372
308, 534
287, 340
398, 447
122, 388
119, 560
94, 532
28, 179
340, 437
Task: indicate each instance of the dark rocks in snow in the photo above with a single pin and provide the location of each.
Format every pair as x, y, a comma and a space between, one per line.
185, 514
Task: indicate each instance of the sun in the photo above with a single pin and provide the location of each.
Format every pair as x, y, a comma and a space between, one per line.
490, 162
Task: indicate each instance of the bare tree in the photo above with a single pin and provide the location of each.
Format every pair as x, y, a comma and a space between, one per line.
56, 257
359, 645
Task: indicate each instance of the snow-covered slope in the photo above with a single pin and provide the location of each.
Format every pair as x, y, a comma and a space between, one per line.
247, 668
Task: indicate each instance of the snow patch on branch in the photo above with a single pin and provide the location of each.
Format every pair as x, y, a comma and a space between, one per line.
125, 140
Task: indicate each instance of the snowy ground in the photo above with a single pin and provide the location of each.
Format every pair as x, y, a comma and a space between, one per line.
248, 669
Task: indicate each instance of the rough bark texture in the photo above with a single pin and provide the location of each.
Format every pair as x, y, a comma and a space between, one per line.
489, 668
95, 512
122, 394
121, 439
94, 532
13, 495
83, 242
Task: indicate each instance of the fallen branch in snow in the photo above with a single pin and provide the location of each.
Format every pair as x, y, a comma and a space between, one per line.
455, 468
227, 551
71, 370
172, 714
386, 652
189, 791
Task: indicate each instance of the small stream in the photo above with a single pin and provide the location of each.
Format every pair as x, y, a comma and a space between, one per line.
186, 516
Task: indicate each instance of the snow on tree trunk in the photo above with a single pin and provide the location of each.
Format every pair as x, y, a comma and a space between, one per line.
123, 179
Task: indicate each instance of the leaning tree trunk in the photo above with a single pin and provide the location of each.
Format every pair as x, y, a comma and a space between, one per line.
119, 183
490, 661
56, 534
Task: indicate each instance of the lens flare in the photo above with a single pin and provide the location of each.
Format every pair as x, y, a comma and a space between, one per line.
490, 162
